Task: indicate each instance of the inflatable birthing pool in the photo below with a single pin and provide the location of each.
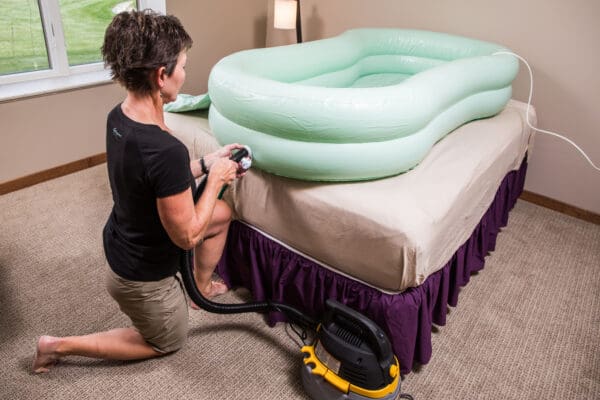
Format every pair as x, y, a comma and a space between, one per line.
366, 104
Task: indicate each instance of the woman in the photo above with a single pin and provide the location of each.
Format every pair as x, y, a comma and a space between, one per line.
152, 180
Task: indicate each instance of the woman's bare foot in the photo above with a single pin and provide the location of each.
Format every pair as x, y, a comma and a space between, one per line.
45, 354
215, 288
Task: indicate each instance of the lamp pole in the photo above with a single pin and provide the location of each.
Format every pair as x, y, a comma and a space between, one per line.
298, 23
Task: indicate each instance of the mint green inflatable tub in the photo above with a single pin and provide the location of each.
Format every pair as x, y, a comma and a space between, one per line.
366, 104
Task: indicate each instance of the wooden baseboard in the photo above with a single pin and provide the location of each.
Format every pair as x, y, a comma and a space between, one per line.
56, 172
560, 207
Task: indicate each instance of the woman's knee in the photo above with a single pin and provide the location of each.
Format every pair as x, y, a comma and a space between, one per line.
172, 341
219, 222
158, 310
222, 213
174, 329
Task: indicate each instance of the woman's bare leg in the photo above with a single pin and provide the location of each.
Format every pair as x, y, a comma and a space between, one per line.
116, 344
208, 253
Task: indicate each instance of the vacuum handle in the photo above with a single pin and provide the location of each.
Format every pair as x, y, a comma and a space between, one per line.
373, 333
236, 157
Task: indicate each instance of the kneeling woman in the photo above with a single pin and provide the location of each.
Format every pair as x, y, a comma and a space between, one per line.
154, 215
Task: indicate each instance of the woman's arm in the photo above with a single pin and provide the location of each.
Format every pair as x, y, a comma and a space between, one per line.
185, 222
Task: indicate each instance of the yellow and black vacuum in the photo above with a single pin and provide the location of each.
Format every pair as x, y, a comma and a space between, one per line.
350, 358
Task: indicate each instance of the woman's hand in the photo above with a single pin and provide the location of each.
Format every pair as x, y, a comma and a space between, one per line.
222, 171
224, 152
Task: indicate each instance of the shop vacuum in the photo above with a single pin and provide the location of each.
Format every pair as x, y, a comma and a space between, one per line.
349, 358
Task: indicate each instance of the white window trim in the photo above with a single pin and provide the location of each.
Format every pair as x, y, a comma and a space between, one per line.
61, 76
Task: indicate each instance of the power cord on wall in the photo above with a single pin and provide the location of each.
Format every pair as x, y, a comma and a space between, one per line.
529, 105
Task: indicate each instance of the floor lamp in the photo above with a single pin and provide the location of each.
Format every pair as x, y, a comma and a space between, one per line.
287, 16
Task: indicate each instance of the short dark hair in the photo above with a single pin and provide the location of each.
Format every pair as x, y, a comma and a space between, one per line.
137, 43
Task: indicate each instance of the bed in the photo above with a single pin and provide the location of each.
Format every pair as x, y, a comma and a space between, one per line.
396, 249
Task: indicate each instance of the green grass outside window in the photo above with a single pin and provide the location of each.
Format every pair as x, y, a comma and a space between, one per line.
22, 44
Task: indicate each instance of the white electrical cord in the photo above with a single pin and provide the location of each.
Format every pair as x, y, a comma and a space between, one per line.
529, 105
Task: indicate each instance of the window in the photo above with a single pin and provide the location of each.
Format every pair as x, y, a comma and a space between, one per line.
52, 45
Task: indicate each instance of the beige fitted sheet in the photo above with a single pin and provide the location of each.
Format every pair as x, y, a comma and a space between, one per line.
390, 233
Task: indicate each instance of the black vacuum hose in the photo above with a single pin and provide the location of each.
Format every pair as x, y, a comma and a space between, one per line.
187, 273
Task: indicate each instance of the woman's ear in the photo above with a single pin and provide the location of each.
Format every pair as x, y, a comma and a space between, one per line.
161, 75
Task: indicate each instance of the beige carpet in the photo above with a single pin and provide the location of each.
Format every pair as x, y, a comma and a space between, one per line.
526, 327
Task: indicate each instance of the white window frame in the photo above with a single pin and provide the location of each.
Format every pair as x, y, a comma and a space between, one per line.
60, 76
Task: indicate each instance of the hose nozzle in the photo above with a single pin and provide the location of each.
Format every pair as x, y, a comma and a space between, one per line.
243, 157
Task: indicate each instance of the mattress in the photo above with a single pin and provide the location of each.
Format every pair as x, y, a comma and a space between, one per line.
390, 234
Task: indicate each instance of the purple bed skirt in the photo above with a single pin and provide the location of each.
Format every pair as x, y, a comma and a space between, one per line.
271, 271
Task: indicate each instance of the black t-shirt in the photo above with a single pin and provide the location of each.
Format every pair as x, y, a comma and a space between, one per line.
144, 163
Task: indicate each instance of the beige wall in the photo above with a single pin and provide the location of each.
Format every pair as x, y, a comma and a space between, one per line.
557, 37
42, 132
218, 28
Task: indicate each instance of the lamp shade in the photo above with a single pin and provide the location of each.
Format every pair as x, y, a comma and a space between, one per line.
285, 14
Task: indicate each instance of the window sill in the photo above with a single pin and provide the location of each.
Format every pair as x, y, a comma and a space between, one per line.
19, 90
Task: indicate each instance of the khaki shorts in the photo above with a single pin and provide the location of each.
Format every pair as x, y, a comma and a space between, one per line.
158, 310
